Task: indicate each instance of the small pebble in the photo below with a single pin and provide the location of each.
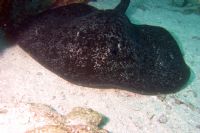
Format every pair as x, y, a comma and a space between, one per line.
54, 97
163, 119
39, 73
168, 107
150, 115
161, 97
196, 37
177, 101
198, 126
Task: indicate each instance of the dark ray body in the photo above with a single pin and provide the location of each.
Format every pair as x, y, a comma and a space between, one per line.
92, 47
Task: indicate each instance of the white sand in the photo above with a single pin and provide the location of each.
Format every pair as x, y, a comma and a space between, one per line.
22, 79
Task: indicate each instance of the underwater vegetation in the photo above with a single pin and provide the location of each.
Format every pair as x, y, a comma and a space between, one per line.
102, 48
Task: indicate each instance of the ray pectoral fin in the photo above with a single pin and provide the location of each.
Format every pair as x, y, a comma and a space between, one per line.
166, 70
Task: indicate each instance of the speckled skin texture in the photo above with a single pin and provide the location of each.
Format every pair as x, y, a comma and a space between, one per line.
101, 48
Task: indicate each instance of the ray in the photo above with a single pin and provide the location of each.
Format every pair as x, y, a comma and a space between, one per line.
102, 48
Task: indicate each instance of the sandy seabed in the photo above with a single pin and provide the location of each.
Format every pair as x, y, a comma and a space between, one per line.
22, 79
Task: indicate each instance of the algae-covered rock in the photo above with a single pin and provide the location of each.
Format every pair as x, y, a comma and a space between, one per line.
40, 118
83, 116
